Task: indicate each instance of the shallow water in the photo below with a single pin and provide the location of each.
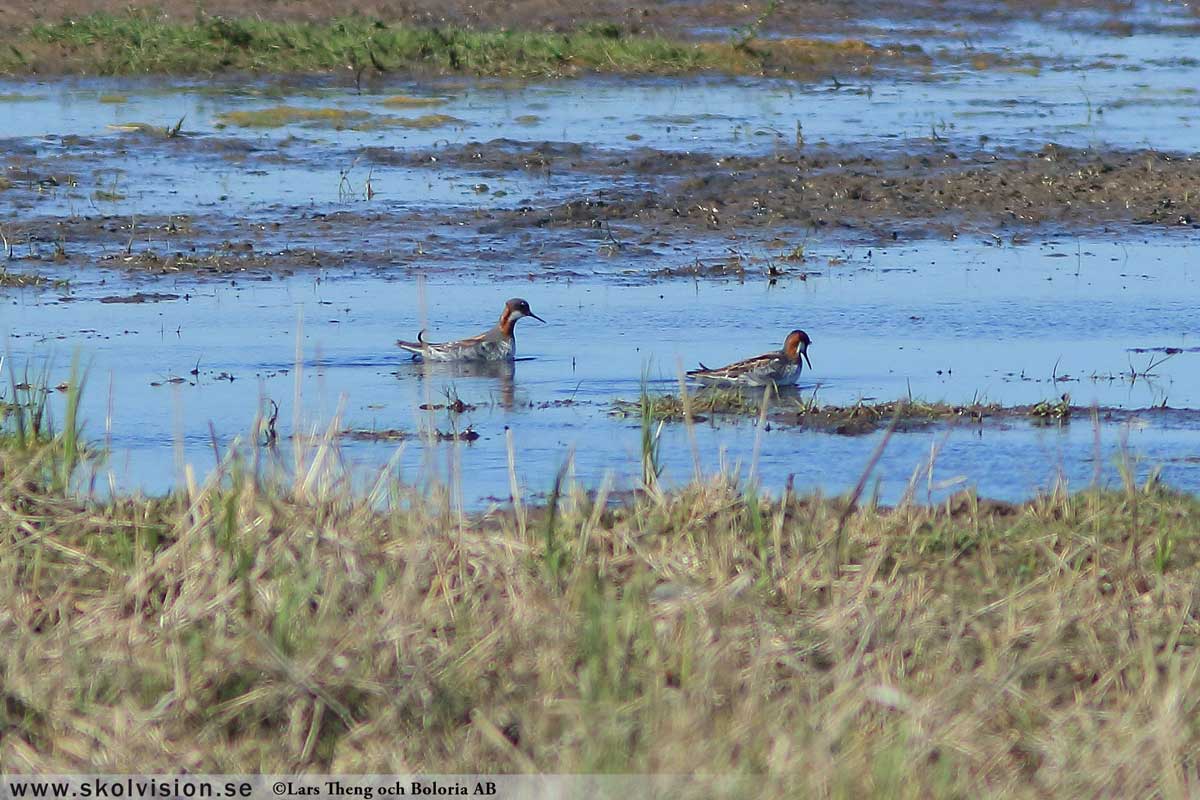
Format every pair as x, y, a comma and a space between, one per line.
973, 325
955, 321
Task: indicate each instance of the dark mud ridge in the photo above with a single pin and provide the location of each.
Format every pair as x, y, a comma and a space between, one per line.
929, 191
905, 415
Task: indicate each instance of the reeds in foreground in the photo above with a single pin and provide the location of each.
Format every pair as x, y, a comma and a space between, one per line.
824, 648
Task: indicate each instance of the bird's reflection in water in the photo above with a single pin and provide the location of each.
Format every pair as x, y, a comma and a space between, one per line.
503, 372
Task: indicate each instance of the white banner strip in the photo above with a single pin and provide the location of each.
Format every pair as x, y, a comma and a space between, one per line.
370, 787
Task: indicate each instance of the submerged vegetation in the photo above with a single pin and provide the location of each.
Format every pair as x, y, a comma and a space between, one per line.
336, 118
145, 43
405, 101
277, 619
794, 408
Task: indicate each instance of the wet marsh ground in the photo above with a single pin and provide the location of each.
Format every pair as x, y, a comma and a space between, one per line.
957, 559
162, 229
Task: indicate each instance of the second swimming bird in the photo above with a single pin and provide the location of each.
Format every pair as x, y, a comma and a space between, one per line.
497, 344
781, 367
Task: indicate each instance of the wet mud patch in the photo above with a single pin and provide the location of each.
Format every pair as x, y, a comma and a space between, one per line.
506, 155
139, 297
933, 191
638, 214
202, 245
231, 258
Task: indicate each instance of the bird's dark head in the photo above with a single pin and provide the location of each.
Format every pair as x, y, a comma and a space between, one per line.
795, 346
514, 310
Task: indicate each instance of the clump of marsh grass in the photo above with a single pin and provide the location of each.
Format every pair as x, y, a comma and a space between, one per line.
651, 464
27, 280
672, 408
1048, 411
262, 619
27, 427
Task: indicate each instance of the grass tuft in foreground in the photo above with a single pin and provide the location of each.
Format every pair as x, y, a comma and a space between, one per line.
259, 620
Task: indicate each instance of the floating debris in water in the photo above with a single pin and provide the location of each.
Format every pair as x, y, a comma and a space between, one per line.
468, 435
139, 297
372, 435
456, 405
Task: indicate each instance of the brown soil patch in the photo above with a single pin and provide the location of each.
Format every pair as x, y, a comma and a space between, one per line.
934, 190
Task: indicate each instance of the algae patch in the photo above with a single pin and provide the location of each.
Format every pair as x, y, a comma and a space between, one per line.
279, 116
426, 121
406, 101
334, 118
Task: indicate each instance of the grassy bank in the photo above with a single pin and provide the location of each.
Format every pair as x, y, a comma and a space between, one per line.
255, 621
147, 44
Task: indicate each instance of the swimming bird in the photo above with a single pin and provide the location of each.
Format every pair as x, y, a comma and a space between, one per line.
781, 367
498, 344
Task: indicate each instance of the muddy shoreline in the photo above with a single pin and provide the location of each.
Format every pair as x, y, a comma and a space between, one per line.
652, 198
927, 188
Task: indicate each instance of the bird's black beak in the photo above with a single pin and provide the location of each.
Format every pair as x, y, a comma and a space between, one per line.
539, 319
805, 354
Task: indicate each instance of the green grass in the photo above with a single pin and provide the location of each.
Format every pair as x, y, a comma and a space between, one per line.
139, 43
260, 620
